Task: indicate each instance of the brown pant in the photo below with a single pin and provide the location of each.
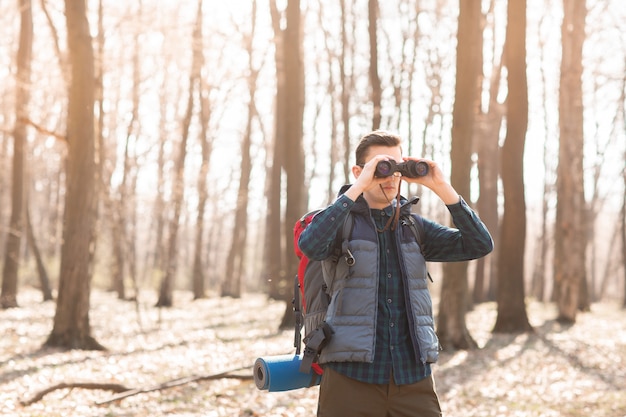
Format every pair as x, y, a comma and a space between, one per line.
341, 396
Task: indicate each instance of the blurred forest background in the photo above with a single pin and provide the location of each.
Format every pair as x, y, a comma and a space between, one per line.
171, 145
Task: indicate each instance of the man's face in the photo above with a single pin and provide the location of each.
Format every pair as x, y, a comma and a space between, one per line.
379, 197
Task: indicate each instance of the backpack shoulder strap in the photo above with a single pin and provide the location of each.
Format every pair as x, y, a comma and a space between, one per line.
416, 224
346, 233
341, 245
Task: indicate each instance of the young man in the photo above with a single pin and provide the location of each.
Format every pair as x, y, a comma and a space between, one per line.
377, 362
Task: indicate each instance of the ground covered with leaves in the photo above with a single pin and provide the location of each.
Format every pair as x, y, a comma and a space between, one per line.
175, 360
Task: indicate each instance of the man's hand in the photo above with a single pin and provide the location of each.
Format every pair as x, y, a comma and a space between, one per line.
365, 179
435, 180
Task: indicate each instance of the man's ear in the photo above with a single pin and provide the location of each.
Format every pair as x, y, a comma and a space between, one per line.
356, 171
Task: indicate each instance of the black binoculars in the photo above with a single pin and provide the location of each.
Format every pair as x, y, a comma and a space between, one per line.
410, 168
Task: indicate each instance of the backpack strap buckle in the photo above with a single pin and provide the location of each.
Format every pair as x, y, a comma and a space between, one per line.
314, 342
345, 249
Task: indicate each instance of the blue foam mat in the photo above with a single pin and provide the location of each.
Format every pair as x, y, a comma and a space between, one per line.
281, 373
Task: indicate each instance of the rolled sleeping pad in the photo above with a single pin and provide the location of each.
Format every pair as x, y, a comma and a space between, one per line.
281, 373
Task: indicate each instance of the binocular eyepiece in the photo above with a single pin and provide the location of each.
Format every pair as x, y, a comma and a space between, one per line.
410, 168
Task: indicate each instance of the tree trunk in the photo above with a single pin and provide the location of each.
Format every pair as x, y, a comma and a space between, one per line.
544, 240
166, 289
120, 200
293, 156
156, 260
623, 234
231, 285
487, 205
570, 228
274, 233
451, 327
206, 146
345, 76
44, 281
274, 269
510, 292
199, 277
487, 137
237, 255
8, 297
71, 322
376, 97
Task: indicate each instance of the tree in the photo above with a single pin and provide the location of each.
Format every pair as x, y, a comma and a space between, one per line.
121, 198
206, 146
71, 322
486, 142
538, 280
166, 289
274, 253
42, 273
8, 298
451, 326
231, 285
623, 230
570, 227
376, 97
510, 292
293, 152
346, 81
158, 260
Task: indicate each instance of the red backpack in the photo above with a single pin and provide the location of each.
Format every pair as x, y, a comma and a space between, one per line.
310, 302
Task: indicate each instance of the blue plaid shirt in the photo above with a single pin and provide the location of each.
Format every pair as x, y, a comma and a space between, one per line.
394, 353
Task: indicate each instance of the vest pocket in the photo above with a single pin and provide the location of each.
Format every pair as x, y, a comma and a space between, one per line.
428, 344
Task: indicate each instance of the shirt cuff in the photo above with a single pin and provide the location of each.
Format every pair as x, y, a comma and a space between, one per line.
344, 202
457, 207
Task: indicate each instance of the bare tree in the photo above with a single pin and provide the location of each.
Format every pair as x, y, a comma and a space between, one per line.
42, 273
512, 315
166, 289
156, 259
293, 152
623, 227
486, 142
538, 280
274, 230
346, 82
206, 146
451, 325
622, 107
71, 322
235, 261
8, 297
121, 197
376, 95
570, 228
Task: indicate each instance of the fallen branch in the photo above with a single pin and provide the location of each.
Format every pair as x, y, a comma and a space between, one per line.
178, 382
125, 392
86, 385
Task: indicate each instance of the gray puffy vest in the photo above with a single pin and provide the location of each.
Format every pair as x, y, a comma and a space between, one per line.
354, 290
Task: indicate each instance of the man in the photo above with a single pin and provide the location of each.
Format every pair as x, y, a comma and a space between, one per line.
377, 362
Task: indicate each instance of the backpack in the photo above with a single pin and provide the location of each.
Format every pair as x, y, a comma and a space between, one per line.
310, 296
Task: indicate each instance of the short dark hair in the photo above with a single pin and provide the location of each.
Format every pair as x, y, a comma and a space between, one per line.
375, 138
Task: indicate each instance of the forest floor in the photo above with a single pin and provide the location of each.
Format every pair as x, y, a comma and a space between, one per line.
571, 371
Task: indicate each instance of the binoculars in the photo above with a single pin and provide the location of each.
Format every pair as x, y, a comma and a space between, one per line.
410, 168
